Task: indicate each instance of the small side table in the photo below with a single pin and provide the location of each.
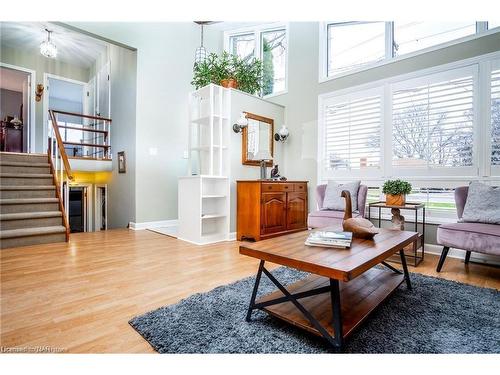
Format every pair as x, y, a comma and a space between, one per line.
417, 255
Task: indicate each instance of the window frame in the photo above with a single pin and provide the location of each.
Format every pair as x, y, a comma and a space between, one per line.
483, 172
491, 170
258, 31
325, 101
481, 30
444, 75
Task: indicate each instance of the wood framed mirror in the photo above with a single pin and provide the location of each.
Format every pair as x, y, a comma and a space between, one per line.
257, 137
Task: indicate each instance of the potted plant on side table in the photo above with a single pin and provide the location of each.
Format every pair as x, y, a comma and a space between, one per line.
395, 192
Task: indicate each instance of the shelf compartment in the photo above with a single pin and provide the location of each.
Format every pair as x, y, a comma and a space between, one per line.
205, 120
359, 298
207, 148
212, 216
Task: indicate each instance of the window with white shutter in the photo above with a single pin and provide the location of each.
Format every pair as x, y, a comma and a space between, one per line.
433, 124
352, 134
495, 119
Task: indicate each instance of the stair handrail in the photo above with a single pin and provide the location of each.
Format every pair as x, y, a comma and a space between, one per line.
58, 163
60, 150
105, 131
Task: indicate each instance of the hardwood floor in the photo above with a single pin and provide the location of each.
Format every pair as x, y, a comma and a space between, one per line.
79, 296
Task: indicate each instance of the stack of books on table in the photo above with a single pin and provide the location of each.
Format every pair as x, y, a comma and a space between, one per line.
340, 240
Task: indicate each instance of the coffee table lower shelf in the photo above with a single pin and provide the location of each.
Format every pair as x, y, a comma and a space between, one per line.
358, 299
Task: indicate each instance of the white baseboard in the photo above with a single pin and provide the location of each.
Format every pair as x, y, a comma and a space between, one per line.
460, 254
153, 224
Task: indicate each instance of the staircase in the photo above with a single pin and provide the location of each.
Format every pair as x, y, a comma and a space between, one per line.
30, 210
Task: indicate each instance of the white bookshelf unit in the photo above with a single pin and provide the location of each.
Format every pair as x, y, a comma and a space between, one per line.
204, 205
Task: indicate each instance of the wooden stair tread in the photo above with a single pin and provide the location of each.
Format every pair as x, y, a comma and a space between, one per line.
28, 200
23, 153
30, 215
22, 164
25, 232
33, 193
26, 187
26, 175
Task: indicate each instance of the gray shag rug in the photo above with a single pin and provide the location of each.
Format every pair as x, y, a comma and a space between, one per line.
437, 316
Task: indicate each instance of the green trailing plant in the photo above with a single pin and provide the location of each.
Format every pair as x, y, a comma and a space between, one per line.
215, 68
396, 187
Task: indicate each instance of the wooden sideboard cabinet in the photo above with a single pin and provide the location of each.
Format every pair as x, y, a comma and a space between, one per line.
270, 208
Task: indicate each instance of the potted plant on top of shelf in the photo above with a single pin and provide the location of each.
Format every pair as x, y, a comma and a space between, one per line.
229, 71
395, 192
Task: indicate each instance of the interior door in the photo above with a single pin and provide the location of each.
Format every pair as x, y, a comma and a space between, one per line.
89, 98
296, 211
273, 213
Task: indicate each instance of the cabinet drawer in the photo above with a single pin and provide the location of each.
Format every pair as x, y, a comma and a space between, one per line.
300, 187
276, 187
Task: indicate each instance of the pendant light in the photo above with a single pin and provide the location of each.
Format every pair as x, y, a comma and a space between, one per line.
48, 48
201, 52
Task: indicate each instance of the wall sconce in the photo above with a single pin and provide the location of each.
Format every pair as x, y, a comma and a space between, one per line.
282, 134
39, 92
241, 123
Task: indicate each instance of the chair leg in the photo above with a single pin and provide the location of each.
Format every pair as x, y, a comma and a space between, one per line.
443, 257
467, 257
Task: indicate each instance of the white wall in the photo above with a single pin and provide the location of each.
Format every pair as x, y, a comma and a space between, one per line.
244, 102
165, 56
122, 186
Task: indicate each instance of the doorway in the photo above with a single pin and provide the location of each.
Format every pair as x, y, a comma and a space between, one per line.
16, 109
77, 209
100, 219
67, 95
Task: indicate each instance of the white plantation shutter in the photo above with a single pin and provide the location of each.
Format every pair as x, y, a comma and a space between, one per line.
495, 119
433, 124
351, 133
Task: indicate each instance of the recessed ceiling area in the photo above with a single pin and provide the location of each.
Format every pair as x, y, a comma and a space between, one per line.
227, 26
72, 47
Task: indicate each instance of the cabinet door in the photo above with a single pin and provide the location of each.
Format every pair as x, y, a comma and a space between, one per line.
273, 213
296, 211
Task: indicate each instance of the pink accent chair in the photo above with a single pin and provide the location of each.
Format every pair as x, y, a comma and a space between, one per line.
327, 218
477, 237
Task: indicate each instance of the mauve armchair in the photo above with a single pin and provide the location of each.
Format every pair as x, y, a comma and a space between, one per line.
477, 237
327, 218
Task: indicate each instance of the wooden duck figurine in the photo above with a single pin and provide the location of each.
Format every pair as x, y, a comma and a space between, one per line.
360, 227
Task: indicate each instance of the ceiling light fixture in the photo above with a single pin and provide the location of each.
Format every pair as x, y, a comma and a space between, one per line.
201, 53
48, 48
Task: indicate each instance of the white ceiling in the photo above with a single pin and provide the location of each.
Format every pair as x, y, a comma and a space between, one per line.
226, 26
12, 79
72, 47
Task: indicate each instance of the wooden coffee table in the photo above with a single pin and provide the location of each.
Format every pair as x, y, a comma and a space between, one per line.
343, 288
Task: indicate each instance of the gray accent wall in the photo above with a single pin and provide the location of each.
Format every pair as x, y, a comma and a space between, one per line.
121, 186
